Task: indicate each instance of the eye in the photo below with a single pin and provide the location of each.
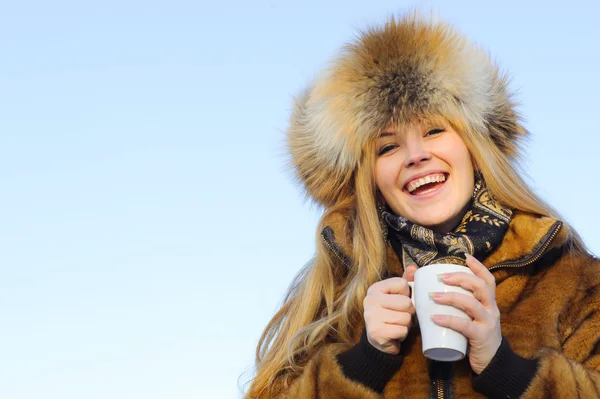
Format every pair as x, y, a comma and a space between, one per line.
386, 148
434, 131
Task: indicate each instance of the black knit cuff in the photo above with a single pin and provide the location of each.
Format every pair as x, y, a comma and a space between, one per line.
507, 376
369, 366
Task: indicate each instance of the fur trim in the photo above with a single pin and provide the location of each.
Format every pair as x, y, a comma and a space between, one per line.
407, 68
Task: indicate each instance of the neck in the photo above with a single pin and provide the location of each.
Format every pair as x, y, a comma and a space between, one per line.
448, 226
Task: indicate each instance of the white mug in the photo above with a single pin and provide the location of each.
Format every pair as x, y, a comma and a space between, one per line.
439, 343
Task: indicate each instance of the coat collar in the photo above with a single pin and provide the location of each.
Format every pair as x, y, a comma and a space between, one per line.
529, 236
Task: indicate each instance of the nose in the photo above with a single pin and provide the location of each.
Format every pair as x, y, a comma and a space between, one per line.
416, 153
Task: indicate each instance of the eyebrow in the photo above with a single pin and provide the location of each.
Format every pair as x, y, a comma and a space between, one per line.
386, 134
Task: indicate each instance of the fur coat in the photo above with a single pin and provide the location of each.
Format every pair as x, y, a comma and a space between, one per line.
549, 300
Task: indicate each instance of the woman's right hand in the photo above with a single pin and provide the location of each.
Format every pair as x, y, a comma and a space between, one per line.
388, 312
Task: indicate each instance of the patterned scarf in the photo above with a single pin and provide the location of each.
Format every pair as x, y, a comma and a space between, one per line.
480, 231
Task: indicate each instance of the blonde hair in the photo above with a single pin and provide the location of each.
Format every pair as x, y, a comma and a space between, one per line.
324, 302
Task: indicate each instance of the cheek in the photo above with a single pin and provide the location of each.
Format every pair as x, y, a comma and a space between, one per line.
467, 175
460, 155
386, 175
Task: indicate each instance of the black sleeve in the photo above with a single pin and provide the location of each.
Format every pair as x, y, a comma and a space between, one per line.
369, 366
507, 376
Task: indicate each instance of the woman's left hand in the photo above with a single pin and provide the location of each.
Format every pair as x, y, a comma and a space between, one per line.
483, 332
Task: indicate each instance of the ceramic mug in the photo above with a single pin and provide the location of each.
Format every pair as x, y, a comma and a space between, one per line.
439, 343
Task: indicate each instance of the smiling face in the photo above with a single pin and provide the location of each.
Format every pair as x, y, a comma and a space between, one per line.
425, 174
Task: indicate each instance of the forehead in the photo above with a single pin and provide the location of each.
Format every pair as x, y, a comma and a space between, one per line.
420, 123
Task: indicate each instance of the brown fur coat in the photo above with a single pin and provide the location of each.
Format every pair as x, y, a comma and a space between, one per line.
549, 299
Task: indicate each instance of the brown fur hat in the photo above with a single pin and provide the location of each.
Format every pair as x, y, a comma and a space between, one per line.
410, 67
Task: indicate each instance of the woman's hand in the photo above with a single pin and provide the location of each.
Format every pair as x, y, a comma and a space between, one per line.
388, 312
483, 332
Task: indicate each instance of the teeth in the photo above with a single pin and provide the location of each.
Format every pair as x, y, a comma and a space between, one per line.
437, 177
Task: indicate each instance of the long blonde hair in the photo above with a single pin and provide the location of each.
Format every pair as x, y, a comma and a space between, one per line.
324, 302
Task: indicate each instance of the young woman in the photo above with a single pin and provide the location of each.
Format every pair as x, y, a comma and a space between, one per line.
408, 141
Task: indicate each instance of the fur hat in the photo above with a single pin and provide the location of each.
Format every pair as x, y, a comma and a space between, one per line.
408, 68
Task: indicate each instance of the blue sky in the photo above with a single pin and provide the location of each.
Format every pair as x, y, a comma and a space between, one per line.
149, 226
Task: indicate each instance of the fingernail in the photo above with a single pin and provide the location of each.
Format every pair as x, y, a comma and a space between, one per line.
444, 276
436, 295
467, 255
437, 317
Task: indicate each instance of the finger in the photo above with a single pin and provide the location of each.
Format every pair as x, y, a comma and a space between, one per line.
481, 271
468, 303
396, 302
472, 283
390, 331
463, 326
394, 318
399, 303
409, 272
393, 285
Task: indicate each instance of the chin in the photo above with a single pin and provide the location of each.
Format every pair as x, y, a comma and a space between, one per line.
440, 223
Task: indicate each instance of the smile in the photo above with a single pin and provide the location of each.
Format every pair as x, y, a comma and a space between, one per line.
425, 184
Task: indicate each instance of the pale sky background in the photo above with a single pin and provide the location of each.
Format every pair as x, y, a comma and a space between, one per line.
148, 225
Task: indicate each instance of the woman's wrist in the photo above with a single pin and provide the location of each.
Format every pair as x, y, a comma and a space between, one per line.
507, 375
369, 366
